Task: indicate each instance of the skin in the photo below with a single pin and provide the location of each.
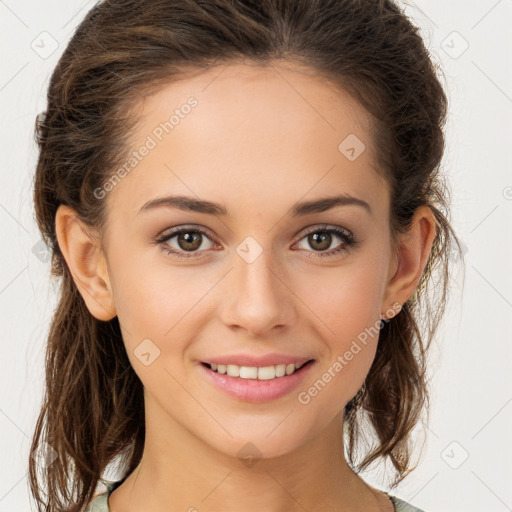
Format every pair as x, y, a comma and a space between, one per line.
259, 140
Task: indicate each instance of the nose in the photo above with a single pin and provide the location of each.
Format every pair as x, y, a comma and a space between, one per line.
256, 297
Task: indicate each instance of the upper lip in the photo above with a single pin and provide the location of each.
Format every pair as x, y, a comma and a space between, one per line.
260, 361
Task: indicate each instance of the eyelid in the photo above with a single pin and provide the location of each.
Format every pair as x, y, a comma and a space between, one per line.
321, 227
169, 232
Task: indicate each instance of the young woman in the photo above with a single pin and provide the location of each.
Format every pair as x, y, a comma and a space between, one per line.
244, 206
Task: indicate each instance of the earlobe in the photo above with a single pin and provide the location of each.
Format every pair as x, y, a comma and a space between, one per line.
414, 250
86, 262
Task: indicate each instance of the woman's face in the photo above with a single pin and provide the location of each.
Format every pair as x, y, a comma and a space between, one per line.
262, 278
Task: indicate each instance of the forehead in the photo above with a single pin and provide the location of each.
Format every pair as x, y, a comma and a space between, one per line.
274, 133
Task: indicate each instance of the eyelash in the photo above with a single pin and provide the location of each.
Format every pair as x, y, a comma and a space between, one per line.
348, 239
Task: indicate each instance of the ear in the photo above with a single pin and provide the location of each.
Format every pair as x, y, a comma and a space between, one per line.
414, 249
86, 261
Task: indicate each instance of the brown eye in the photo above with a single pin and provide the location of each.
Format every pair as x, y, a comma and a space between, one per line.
321, 239
189, 241
183, 240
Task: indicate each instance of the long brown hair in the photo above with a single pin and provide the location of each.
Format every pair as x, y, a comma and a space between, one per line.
93, 408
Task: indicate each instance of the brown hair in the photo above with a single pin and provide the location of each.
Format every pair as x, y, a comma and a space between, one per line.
124, 49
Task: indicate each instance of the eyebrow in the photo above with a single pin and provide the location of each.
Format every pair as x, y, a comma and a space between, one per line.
303, 208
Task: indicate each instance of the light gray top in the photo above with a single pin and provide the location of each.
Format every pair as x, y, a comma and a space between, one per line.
100, 502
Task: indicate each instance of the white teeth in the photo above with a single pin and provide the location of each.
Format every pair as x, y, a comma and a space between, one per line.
247, 372
253, 372
233, 370
280, 370
267, 372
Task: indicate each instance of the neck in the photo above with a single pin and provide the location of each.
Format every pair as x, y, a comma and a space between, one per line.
180, 472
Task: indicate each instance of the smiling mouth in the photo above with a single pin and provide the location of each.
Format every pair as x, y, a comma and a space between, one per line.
256, 372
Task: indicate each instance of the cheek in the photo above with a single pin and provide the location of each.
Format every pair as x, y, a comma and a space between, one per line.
350, 348
347, 307
346, 299
159, 302
154, 310
148, 292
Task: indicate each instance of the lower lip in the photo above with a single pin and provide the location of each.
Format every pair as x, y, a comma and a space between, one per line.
254, 390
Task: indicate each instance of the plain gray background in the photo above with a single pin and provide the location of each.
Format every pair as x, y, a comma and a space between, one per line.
465, 465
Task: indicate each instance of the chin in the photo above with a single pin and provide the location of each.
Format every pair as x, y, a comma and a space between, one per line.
256, 444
